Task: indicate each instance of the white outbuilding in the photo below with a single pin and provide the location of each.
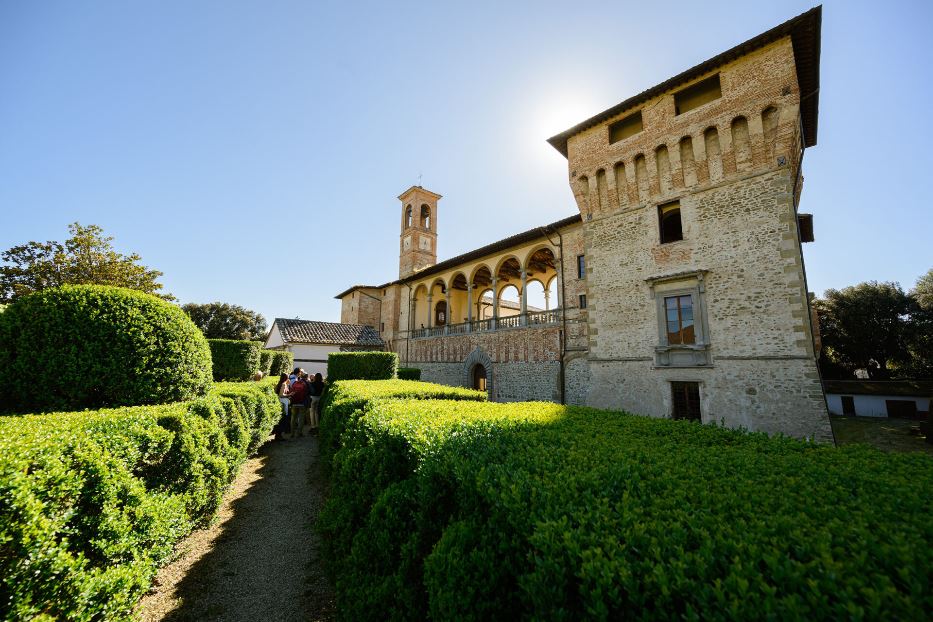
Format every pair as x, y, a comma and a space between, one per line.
312, 341
879, 398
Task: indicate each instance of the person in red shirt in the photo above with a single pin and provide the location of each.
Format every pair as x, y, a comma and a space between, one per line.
297, 395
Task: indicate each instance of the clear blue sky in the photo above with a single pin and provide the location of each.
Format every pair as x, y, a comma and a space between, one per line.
239, 146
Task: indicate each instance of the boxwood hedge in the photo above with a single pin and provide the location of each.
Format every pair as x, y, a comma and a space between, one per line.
235, 359
265, 361
282, 362
88, 346
361, 365
409, 373
91, 502
470, 510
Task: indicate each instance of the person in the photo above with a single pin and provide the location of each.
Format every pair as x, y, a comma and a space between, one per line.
294, 375
281, 391
298, 395
315, 389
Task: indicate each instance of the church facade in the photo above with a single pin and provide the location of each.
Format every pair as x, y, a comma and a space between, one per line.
677, 289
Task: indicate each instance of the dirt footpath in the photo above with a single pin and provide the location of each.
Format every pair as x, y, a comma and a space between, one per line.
259, 560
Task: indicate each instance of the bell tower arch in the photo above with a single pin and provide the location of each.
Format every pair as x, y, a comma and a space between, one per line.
418, 238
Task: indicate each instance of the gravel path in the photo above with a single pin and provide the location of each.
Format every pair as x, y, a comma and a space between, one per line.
259, 560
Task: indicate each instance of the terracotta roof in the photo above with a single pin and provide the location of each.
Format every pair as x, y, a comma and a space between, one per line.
356, 287
309, 331
804, 31
906, 388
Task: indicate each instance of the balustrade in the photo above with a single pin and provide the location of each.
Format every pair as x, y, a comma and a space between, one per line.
527, 320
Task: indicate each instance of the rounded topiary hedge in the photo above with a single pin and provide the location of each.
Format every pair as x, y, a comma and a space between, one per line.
88, 346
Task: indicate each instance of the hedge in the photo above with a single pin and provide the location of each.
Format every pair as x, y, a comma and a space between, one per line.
347, 400
361, 365
462, 510
235, 359
92, 502
409, 373
265, 361
91, 346
282, 362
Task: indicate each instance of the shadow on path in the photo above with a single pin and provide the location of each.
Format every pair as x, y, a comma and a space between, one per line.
260, 560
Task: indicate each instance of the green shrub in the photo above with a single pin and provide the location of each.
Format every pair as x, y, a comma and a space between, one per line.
92, 502
361, 365
447, 509
409, 373
235, 359
265, 361
87, 346
282, 362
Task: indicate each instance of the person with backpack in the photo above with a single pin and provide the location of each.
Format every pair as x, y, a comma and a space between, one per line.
298, 396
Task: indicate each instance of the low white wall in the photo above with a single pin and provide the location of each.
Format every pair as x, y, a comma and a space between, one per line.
312, 358
872, 405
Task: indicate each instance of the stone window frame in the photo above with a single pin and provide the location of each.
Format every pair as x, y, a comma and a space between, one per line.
693, 284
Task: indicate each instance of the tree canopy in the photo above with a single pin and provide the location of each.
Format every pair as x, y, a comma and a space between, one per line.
86, 258
877, 327
220, 320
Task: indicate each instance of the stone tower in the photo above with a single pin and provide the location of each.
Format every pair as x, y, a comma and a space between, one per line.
418, 239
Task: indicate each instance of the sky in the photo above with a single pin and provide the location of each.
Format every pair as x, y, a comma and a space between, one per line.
253, 151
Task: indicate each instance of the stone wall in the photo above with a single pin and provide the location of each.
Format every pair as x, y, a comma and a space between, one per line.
362, 306
515, 381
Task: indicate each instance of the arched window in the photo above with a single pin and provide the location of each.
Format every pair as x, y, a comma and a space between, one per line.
440, 313
408, 217
425, 216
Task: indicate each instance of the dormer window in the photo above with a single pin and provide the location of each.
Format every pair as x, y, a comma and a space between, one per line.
696, 95
629, 126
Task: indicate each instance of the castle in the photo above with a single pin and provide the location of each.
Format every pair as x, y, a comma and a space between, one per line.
680, 285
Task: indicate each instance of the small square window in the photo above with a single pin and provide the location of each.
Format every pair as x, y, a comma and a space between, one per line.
583, 301
629, 126
686, 400
695, 95
581, 266
382, 327
669, 222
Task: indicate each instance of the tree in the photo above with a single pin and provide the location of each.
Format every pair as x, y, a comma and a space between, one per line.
923, 291
866, 326
220, 320
86, 258
921, 338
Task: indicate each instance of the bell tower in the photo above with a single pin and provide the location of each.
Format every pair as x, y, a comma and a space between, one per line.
418, 240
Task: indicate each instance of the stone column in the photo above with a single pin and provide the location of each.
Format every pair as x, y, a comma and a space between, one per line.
469, 307
495, 302
447, 314
430, 309
547, 300
524, 309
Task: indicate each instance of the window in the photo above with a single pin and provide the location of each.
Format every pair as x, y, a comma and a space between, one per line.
902, 409
685, 397
581, 266
679, 315
696, 95
382, 327
629, 126
408, 216
848, 405
425, 216
669, 222
683, 334
583, 301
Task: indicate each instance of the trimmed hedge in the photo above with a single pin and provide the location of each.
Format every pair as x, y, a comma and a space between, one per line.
88, 346
282, 362
235, 359
361, 365
265, 361
409, 373
447, 509
347, 400
92, 502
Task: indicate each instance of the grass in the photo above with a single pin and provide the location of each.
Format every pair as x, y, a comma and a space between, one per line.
885, 433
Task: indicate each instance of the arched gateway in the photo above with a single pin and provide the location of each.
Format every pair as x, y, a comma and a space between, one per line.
478, 371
